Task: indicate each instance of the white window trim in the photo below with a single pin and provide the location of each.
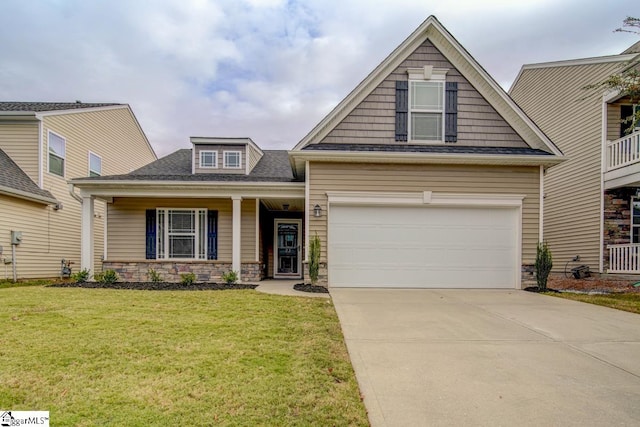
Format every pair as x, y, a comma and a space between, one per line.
215, 163
427, 74
198, 232
224, 159
64, 163
631, 226
91, 153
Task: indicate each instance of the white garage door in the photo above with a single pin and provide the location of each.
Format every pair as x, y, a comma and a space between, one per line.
423, 247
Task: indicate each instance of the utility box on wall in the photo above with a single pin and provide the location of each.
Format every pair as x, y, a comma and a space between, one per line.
16, 237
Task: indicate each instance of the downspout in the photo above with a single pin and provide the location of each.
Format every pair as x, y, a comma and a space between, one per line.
73, 193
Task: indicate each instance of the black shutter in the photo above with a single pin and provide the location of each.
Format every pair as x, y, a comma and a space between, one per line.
151, 234
626, 111
212, 235
402, 110
451, 112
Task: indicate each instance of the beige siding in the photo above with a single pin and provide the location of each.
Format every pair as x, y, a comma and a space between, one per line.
326, 177
254, 157
614, 119
126, 226
220, 149
572, 118
20, 141
373, 121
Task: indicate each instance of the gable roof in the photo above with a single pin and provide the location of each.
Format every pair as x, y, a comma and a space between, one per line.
435, 32
15, 182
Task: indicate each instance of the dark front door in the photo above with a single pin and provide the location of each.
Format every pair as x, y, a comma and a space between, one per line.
287, 247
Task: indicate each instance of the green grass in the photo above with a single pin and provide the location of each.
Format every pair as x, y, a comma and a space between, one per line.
145, 358
627, 302
6, 283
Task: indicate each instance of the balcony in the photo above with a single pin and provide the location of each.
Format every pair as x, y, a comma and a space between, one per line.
622, 162
624, 258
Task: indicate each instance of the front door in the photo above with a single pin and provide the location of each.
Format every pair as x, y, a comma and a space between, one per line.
287, 248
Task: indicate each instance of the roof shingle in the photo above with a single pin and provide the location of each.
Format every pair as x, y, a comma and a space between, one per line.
435, 149
37, 107
13, 177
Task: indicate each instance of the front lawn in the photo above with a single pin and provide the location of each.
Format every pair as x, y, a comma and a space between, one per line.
627, 301
140, 358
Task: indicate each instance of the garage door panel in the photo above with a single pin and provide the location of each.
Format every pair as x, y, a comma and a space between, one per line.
422, 247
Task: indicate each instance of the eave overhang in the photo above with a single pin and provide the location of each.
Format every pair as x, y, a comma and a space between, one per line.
298, 159
107, 190
27, 196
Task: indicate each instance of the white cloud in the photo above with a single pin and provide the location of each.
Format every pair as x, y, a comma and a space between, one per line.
268, 69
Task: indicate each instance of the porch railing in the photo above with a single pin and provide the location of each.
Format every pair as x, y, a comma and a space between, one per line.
624, 258
624, 151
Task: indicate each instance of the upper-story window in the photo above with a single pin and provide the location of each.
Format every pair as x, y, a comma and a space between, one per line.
57, 154
208, 159
95, 165
426, 114
232, 159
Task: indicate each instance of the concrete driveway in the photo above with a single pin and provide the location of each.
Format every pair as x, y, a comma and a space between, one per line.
468, 357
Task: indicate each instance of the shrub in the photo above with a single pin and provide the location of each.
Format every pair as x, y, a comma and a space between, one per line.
81, 276
543, 265
314, 259
154, 276
188, 279
107, 277
230, 277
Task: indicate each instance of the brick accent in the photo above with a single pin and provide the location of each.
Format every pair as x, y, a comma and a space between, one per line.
617, 219
322, 274
528, 276
205, 271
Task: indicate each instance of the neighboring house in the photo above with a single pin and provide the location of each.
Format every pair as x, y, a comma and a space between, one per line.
42, 146
592, 203
426, 175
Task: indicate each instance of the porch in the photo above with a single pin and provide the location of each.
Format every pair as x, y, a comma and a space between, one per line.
622, 161
621, 239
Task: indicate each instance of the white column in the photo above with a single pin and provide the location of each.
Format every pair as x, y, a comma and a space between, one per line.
86, 238
236, 236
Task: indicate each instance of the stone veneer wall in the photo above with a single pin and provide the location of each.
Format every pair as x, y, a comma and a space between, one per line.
322, 274
617, 219
205, 271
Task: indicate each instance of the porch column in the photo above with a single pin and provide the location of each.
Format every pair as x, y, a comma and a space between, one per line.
86, 236
236, 264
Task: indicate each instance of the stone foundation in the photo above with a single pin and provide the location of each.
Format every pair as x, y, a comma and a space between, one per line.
617, 219
170, 271
527, 275
322, 274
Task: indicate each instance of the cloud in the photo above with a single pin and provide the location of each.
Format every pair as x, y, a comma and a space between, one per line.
267, 69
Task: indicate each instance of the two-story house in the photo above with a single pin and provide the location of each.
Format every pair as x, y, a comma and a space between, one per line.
42, 146
426, 175
592, 200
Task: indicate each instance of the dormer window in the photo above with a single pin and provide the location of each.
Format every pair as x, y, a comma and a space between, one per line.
232, 159
208, 159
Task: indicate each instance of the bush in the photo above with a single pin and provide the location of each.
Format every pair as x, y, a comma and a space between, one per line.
188, 279
543, 265
81, 276
314, 259
154, 276
230, 277
107, 277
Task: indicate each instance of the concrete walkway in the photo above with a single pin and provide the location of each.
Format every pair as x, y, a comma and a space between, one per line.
285, 287
494, 358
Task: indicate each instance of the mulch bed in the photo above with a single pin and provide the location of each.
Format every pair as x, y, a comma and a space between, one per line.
587, 285
305, 287
151, 286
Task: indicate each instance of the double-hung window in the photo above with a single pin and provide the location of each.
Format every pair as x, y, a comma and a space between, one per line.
426, 115
95, 165
232, 159
182, 233
57, 154
208, 159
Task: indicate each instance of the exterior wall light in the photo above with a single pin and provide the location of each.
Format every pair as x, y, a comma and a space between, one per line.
317, 211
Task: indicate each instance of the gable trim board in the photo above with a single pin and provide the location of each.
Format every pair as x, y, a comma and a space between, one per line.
465, 64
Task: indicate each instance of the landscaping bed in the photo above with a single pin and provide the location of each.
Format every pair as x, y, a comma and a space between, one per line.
306, 287
591, 284
155, 286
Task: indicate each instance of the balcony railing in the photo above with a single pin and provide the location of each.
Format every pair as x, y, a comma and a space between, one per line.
624, 151
624, 258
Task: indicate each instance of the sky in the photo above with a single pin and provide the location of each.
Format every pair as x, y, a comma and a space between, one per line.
266, 69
